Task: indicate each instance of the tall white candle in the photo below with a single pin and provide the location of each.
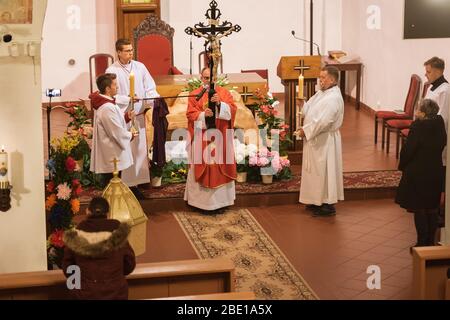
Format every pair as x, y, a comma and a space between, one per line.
3, 165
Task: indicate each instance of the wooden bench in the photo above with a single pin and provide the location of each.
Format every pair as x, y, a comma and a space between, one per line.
430, 265
217, 296
148, 281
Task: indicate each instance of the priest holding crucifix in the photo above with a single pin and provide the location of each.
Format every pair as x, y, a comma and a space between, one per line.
210, 183
133, 73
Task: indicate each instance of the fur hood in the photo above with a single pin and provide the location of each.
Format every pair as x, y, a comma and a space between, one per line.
96, 244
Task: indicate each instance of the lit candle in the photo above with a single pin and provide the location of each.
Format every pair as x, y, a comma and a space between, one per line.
301, 81
132, 90
3, 165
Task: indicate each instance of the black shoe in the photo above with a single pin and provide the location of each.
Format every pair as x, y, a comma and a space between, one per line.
312, 207
138, 193
328, 208
324, 212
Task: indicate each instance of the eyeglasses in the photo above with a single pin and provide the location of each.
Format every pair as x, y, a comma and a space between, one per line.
128, 51
206, 78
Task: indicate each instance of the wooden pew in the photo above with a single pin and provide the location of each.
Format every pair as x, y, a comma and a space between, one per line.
430, 265
447, 291
217, 296
148, 281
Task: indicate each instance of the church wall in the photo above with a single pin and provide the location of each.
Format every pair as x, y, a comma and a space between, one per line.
388, 59
22, 229
266, 32
71, 31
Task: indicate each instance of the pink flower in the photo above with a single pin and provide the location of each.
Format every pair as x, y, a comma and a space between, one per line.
64, 191
285, 163
262, 162
71, 164
253, 161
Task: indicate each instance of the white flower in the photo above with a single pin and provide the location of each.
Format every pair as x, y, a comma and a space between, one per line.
275, 104
270, 95
252, 150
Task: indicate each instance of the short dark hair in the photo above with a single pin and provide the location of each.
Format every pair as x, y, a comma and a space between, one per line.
430, 108
332, 71
99, 207
104, 81
435, 63
121, 43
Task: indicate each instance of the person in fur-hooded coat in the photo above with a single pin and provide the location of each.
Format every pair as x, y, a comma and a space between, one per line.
100, 248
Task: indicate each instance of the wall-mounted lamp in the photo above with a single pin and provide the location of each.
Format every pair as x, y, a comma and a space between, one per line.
5, 187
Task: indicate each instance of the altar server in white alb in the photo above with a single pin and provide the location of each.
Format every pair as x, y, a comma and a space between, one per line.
439, 90
322, 178
111, 138
144, 87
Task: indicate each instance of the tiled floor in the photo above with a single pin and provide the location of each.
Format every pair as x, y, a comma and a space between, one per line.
332, 254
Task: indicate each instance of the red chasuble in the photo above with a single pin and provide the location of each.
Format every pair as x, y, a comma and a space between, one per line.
213, 175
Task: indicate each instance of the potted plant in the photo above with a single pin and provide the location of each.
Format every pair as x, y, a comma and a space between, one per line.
156, 173
263, 160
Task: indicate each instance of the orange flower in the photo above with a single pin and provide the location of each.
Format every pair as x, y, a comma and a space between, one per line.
75, 205
50, 202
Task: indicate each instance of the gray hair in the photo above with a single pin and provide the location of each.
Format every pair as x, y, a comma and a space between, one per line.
332, 71
430, 108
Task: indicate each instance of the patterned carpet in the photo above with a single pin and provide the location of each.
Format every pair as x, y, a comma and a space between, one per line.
352, 180
261, 267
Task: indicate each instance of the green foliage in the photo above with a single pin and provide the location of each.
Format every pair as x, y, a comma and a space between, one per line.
175, 173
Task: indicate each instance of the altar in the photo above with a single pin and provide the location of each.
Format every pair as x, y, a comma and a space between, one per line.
241, 85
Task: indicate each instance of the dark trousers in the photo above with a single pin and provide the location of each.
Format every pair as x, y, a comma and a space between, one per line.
426, 222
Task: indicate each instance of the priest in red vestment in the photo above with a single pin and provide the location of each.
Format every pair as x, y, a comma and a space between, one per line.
212, 172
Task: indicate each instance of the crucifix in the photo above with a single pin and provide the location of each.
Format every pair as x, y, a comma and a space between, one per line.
246, 94
213, 31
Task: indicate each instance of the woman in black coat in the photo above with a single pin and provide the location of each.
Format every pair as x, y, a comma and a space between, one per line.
423, 172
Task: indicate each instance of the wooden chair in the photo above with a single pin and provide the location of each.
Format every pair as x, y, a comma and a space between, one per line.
264, 73
98, 63
203, 61
396, 125
153, 43
408, 109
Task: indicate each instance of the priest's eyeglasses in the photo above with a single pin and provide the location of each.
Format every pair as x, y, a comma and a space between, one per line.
128, 51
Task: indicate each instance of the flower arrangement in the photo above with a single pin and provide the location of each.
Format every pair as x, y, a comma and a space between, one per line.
80, 120
195, 83
175, 172
266, 110
63, 192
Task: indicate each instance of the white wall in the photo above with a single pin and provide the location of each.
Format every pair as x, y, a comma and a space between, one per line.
266, 31
22, 229
388, 60
71, 32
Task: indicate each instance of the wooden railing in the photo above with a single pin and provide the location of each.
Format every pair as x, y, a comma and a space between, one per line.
148, 281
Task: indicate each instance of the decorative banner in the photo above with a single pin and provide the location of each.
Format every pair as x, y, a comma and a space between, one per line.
16, 11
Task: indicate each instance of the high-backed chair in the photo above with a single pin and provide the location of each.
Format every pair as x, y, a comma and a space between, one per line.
98, 63
408, 109
401, 127
203, 61
153, 43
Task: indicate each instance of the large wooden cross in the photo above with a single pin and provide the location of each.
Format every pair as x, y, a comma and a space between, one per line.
213, 32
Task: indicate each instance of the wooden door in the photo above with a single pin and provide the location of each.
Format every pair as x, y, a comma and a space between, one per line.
130, 13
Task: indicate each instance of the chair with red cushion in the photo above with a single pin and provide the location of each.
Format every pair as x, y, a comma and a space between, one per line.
98, 63
153, 42
396, 126
404, 135
408, 109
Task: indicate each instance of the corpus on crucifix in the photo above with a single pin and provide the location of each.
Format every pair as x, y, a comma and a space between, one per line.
213, 31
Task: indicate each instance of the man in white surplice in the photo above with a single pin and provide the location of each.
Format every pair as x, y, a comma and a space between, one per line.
322, 179
145, 87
